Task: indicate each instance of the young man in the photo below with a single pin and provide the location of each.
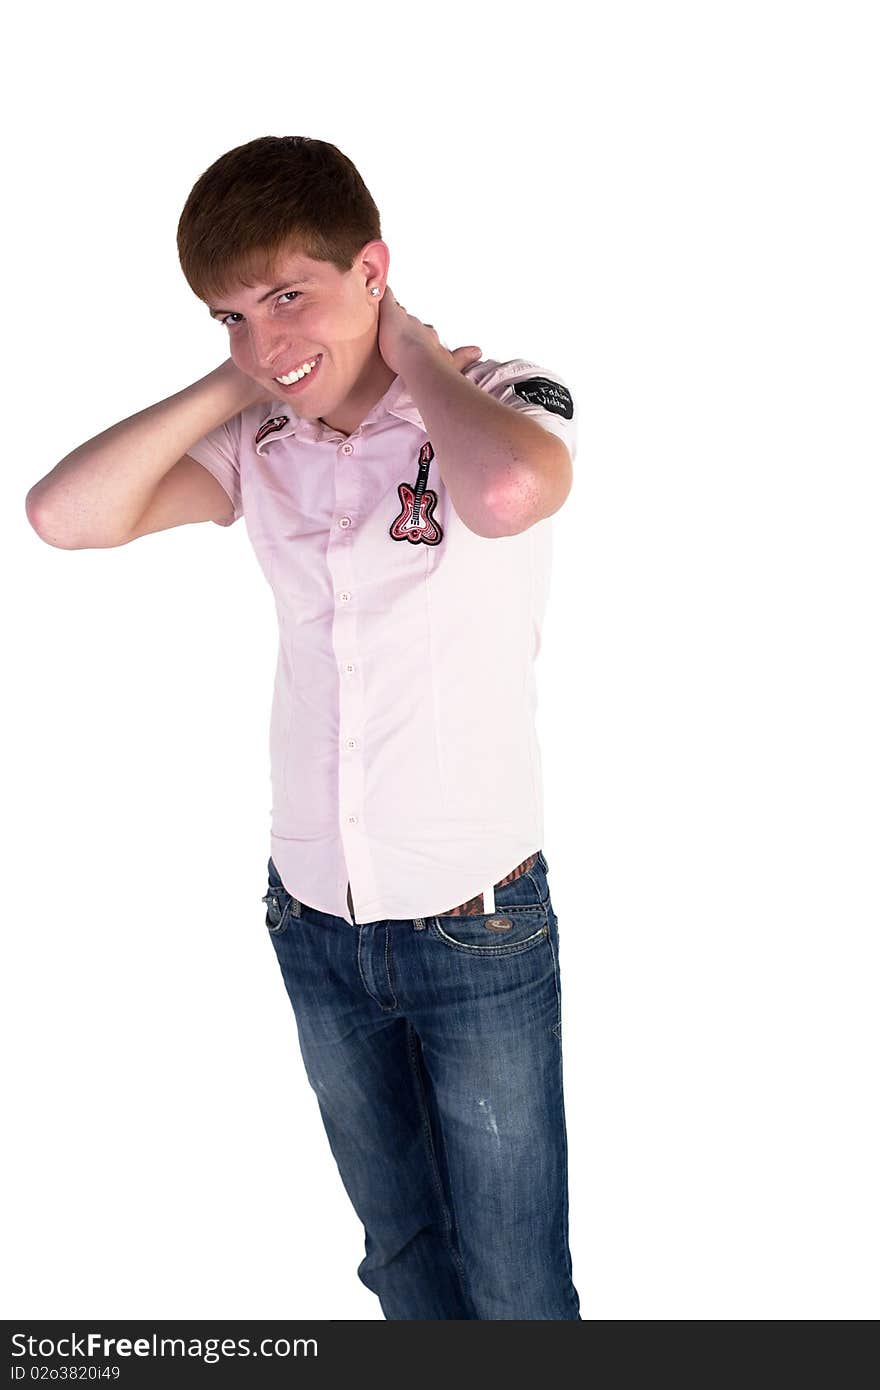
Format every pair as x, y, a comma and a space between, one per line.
396, 495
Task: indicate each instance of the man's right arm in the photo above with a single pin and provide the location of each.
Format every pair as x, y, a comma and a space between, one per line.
137, 477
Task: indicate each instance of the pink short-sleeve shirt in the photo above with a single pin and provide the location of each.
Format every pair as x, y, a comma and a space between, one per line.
403, 749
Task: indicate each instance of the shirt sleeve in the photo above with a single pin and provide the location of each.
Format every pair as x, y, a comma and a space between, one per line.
542, 394
219, 452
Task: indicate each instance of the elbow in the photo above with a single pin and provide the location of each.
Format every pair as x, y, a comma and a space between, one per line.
489, 526
535, 494
35, 515
516, 509
45, 525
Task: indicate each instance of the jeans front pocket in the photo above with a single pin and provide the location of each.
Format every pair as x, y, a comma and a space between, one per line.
279, 903
507, 931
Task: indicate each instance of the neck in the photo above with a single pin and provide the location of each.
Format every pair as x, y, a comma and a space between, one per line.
369, 388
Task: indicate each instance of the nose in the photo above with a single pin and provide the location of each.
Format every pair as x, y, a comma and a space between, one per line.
267, 350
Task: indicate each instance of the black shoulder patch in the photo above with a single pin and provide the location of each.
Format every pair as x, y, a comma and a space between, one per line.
539, 390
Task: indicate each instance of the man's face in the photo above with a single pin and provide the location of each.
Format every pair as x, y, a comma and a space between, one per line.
309, 310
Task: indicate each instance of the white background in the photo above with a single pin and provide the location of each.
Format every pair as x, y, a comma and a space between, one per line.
676, 207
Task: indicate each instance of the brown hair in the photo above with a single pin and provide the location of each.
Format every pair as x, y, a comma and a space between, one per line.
273, 196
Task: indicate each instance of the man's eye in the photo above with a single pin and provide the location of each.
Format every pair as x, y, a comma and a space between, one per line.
226, 317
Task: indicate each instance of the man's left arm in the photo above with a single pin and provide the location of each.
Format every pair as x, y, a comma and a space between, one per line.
503, 469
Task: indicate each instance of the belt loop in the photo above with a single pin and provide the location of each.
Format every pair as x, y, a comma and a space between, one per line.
419, 923
489, 898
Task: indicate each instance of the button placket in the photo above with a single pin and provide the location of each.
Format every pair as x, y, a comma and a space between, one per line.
340, 559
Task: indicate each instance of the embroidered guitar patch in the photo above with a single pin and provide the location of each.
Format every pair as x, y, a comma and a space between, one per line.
415, 521
271, 426
553, 396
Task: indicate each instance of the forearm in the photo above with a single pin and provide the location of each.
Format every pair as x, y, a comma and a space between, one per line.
99, 490
488, 455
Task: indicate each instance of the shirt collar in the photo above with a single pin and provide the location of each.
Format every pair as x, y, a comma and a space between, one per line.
282, 421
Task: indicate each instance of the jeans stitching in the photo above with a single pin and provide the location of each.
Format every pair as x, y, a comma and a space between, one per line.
557, 1027
503, 950
388, 968
386, 1008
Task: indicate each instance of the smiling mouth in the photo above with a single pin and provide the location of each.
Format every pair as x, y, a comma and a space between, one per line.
317, 359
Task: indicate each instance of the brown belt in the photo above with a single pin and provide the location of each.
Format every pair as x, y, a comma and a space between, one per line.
474, 907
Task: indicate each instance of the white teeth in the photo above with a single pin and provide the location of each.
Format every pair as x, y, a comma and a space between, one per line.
298, 374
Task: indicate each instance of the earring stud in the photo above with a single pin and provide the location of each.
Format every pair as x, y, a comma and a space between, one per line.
374, 290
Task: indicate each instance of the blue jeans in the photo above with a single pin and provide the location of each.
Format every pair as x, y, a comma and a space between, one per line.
433, 1046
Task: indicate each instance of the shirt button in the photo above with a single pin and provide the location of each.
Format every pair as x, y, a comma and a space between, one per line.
347, 449
352, 820
344, 595
348, 667
345, 521
351, 743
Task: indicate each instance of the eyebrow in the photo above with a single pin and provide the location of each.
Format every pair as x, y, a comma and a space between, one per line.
297, 280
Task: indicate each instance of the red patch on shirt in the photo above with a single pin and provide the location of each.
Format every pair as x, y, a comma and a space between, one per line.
271, 426
415, 520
